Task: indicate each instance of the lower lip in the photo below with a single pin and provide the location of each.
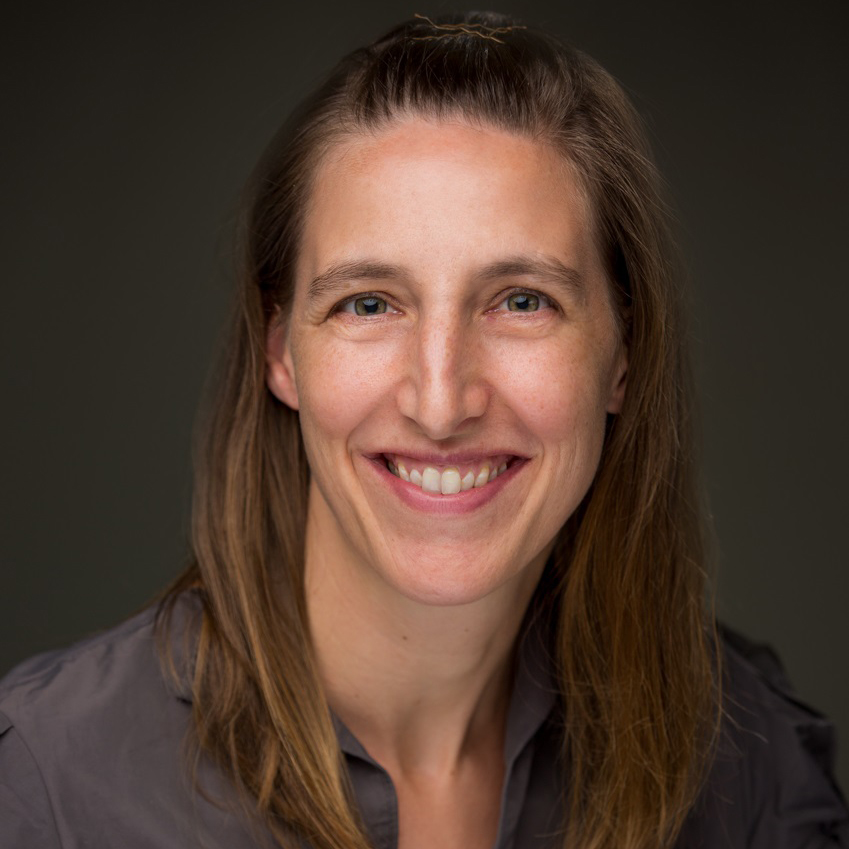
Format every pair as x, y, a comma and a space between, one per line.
466, 501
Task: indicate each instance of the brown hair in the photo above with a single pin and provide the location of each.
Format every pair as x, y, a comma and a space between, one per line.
625, 586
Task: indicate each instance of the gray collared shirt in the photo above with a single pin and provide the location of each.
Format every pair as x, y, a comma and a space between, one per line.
92, 755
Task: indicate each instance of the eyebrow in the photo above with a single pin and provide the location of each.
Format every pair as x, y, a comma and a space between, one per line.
547, 268
338, 276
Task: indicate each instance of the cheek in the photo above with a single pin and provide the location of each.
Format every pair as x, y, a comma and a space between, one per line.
339, 386
556, 391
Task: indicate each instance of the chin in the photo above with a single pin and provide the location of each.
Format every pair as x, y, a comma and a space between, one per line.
447, 578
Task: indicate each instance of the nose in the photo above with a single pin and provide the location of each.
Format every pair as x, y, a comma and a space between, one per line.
444, 387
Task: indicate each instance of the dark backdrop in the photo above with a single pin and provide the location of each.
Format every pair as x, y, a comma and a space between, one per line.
128, 129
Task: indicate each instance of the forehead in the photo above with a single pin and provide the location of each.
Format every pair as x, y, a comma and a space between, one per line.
427, 192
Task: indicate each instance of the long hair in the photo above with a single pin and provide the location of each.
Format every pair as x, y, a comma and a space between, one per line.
625, 588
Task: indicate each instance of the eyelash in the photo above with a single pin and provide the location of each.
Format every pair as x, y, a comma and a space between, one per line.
545, 302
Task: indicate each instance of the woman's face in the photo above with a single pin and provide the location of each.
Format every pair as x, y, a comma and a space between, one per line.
451, 322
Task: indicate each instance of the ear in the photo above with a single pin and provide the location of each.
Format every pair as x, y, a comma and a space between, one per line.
279, 369
620, 373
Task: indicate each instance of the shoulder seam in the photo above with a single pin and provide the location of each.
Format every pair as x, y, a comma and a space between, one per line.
70, 653
13, 727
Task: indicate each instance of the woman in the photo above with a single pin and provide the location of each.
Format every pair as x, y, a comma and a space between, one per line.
448, 575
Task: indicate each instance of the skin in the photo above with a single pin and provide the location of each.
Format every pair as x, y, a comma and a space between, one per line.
415, 612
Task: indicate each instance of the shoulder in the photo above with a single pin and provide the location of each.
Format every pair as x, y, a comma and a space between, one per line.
91, 742
74, 676
761, 704
110, 678
77, 707
771, 785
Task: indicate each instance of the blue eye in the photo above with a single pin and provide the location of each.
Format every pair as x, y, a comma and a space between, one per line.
525, 302
365, 305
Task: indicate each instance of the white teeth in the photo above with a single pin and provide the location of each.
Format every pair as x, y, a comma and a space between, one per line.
450, 482
431, 480
447, 482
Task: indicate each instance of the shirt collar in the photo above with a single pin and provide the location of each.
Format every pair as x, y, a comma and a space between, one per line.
534, 693
182, 634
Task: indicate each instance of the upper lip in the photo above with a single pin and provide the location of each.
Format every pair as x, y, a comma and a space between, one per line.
452, 459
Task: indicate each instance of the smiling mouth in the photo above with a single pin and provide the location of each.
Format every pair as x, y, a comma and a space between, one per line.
448, 479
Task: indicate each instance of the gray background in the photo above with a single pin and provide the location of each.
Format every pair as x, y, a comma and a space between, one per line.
128, 130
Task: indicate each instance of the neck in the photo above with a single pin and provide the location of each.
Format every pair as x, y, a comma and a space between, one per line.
421, 686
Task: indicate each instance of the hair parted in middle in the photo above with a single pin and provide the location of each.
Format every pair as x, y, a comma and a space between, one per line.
624, 591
